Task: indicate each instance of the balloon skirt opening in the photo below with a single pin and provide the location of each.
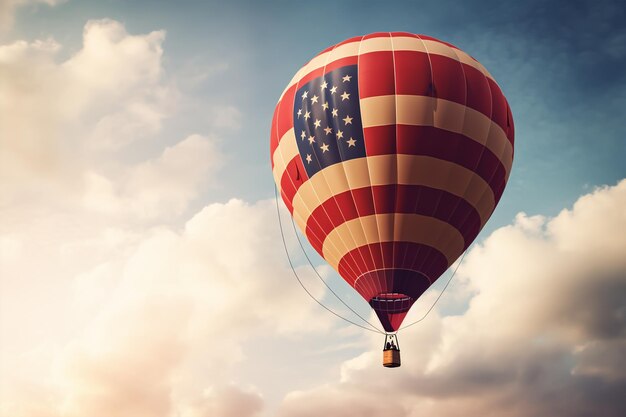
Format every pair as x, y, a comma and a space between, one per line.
391, 308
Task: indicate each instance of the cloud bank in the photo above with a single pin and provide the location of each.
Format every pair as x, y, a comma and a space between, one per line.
544, 332
118, 298
58, 119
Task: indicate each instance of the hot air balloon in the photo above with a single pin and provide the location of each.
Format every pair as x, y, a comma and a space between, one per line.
391, 152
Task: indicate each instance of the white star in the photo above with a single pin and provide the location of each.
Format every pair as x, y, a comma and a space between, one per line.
325, 106
324, 147
351, 142
345, 96
328, 130
317, 123
334, 112
311, 140
303, 135
308, 158
333, 90
324, 85
347, 120
305, 94
299, 113
339, 134
314, 99
347, 78
307, 115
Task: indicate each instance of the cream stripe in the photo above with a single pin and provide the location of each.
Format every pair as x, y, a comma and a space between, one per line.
400, 43
285, 151
348, 178
412, 170
442, 114
340, 52
342, 181
457, 54
406, 43
476, 126
388, 168
416, 228
438, 48
468, 60
380, 43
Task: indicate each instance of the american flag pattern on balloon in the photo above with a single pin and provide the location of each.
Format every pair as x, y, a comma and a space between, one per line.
391, 152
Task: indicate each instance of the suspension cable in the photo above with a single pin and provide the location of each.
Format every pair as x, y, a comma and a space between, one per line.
440, 294
325, 283
302, 285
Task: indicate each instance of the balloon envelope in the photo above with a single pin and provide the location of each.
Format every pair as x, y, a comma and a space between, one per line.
391, 151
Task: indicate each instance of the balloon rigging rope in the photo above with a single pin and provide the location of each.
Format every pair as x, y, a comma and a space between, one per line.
333, 292
440, 294
324, 281
302, 285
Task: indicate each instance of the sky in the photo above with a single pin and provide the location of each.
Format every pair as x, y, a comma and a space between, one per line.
142, 271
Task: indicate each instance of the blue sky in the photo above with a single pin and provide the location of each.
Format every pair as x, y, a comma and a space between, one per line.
137, 216
559, 66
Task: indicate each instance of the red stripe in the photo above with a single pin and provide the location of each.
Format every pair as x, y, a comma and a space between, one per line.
351, 60
404, 282
510, 132
478, 91
274, 138
376, 74
413, 75
294, 176
422, 258
441, 144
331, 66
286, 201
417, 199
284, 109
392, 320
318, 72
448, 79
377, 77
451, 80
380, 140
500, 106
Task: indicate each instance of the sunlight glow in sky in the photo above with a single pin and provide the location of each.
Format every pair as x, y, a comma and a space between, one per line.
141, 266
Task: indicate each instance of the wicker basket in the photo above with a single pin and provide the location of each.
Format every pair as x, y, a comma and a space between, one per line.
391, 358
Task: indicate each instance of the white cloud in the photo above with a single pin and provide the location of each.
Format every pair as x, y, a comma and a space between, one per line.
163, 186
64, 126
102, 283
226, 117
226, 401
163, 320
57, 118
544, 332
